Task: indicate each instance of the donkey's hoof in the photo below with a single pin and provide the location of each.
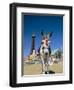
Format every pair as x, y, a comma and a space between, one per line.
46, 72
43, 73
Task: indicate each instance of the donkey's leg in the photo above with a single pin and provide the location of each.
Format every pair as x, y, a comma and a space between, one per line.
43, 65
46, 64
46, 67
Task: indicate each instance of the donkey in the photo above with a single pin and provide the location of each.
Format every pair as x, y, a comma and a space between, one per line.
45, 52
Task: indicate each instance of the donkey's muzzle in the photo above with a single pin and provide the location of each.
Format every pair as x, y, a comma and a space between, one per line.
46, 54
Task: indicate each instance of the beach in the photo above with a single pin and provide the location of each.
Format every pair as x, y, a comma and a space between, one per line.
34, 69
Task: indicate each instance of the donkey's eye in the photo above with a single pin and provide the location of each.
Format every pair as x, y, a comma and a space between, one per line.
42, 42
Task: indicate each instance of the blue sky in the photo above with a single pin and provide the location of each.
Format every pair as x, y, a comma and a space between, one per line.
35, 23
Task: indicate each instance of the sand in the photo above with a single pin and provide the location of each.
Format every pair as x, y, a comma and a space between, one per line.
33, 69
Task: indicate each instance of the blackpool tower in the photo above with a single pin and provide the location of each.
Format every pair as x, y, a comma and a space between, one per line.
33, 43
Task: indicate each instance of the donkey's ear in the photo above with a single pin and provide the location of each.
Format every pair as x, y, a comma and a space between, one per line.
42, 33
49, 35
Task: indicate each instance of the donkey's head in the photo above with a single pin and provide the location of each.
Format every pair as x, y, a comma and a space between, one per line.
45, 43
46, 38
